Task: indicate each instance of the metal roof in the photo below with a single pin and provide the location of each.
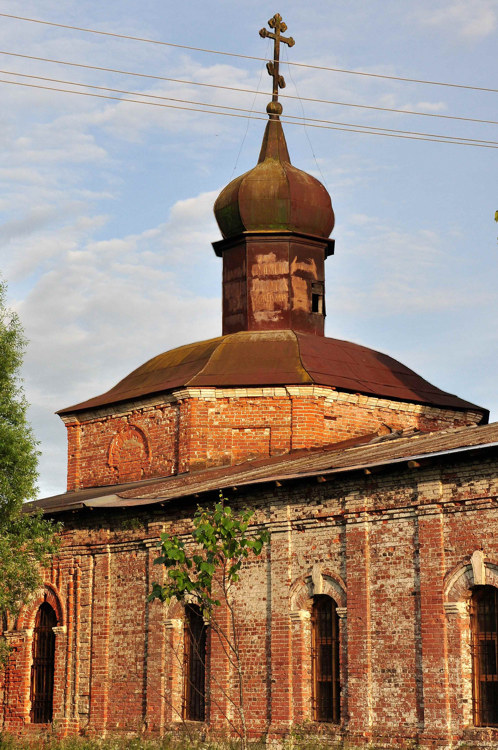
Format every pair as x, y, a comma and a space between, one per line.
359, 453
278, 358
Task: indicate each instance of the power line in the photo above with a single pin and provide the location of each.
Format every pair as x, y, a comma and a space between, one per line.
248, 120
238, 89
300, 119
247, 57
234, 114
123, 91
304, 119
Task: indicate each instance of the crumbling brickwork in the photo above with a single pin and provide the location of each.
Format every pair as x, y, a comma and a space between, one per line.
390, 551
201, 427
393, 549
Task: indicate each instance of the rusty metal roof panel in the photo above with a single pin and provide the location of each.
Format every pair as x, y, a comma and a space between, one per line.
172, 369
379, 451
239, 359
352, 367
254, 358
362, 452
80, 498
273, 358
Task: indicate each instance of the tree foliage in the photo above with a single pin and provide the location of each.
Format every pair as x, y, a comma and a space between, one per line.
218, 547
202, 569
26, 540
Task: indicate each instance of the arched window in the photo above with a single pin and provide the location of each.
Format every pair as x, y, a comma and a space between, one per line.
194, 689
485, 655
325, 660
42, 669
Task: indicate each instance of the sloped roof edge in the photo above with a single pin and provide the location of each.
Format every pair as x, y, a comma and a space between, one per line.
278, 358
369, 451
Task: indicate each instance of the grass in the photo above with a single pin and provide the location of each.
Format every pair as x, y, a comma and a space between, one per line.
176, 741
181, 739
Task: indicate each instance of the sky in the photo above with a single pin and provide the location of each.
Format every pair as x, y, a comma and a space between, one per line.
106, 218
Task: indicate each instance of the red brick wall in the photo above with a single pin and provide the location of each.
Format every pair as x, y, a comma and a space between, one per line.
123, 448
216, 427
394, 551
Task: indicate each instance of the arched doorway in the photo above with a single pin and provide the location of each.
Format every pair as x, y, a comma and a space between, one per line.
42, 669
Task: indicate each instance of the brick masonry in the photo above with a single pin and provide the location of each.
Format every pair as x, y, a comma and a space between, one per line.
197, 428
398, 550
393, 549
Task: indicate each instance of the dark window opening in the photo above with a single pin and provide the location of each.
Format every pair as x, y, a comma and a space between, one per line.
325, 660
484, 616
317, 298
316, 303
194, 704
42, 669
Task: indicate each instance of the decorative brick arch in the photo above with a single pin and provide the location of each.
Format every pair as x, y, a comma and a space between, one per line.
459, 585
176, 610
129, 453
177, 660
319, 580
47, 593
460, 581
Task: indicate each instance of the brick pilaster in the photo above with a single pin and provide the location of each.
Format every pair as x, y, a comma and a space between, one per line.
17, 680
437, 714
156, 690
301, 665
359, 722
280, 631
99, 689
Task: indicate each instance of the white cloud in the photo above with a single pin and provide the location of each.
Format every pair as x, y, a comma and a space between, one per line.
101, 308
470, 20
430, 106
391, 272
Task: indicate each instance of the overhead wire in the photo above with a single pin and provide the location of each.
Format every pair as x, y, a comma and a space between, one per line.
241, 109
248, 120
304, 121
354, 129
122, 91
248, 57
245, 90
302, 118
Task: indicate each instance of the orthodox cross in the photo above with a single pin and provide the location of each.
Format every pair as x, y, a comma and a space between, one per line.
275, 108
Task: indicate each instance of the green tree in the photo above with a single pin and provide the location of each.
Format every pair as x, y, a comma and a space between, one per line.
202, 569
26, 540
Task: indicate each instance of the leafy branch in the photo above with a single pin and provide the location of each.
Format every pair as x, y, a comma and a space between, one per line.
203, 568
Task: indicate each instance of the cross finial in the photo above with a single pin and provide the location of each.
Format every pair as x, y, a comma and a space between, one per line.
274, 108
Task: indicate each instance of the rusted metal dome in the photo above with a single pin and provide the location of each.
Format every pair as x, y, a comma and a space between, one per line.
277, 358
274, 195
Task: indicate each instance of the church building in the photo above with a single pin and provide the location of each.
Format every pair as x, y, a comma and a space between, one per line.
371, 615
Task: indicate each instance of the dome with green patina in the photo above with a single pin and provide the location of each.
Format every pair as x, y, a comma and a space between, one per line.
274, 196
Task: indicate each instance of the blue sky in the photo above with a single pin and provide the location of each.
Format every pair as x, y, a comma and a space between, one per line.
106, 207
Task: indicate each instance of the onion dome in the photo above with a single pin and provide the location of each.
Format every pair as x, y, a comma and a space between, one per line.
274, 196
